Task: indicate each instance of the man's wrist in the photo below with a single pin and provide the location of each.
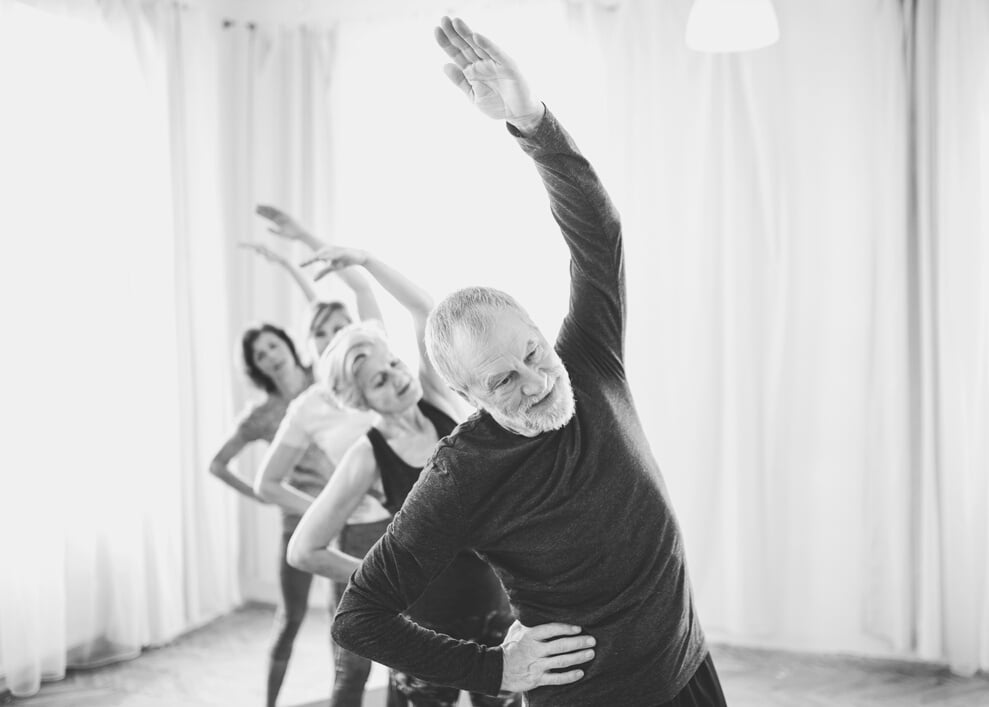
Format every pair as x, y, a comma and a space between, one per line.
528, 124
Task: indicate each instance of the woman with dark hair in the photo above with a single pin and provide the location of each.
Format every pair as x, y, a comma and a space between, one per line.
415, 410
263, 362
273, 365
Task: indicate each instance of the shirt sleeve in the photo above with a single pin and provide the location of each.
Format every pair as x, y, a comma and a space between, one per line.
250, 426
292, 430
422, 540
595, 324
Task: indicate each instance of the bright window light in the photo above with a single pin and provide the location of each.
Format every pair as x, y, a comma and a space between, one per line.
88, 277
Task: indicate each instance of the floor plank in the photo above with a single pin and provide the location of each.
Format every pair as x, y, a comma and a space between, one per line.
222, 665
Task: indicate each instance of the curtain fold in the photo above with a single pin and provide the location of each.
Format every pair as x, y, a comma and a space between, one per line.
951, 104
764, 202
273, 142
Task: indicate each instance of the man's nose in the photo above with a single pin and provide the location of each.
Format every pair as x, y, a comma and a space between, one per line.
533, 383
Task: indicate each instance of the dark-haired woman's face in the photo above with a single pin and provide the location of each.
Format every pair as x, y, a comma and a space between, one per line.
271, 355
323, 334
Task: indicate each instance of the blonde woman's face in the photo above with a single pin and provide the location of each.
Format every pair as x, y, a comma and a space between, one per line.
387, 384
324, 332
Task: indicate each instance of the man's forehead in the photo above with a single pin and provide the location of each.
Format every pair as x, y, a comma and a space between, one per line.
505, 338
501, 328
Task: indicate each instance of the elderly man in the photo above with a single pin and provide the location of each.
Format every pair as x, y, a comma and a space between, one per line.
551, 482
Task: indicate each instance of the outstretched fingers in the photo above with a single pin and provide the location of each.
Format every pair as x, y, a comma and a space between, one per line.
325, 271
458, 34
456, 75
564, 660
491, 51
452, 51
269, 212
256, 247
328, 259
561, 653
334, 258
469, 38
566, 645
541, 655
543, 632
560, 678
319, 257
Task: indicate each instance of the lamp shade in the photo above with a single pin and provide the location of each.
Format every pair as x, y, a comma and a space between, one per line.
731, 25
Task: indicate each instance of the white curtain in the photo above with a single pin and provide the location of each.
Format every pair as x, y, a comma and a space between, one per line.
951, 339
112, 540
150, 132
808, 276
272, 138
765, 204
96, 534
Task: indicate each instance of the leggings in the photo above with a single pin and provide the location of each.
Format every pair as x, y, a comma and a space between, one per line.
294, 585
351, 669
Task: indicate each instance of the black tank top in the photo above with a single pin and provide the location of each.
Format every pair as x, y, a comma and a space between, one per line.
468, 589
398, 477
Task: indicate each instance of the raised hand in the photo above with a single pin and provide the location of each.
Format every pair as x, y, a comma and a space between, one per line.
279, 259
284, 225
268, 254
530, 654
487, 75
336, 258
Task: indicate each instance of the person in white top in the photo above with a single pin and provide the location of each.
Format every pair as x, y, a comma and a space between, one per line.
314, 419
273, 364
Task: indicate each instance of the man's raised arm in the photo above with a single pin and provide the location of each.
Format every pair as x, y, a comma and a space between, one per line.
580, 205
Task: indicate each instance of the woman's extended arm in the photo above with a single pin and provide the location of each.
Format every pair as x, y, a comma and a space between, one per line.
270, 483
304, 283
287, 227
218, 466
338, 259
308, 549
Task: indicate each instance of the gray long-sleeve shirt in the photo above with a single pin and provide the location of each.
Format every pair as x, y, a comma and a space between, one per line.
576, 522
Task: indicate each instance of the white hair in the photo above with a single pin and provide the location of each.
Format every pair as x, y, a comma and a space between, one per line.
465, 312
336, 369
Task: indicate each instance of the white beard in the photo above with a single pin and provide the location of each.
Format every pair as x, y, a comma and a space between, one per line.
530, 423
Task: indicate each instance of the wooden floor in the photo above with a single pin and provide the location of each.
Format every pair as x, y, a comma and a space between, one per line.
222, 665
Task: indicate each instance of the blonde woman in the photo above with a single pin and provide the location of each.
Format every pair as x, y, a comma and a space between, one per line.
416, 410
